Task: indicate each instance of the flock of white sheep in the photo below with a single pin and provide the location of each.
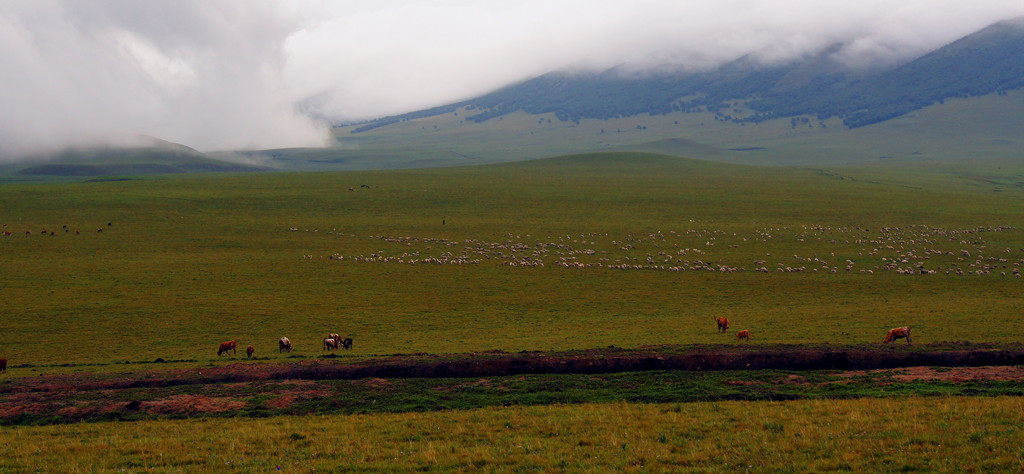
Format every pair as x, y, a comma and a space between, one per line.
910, 250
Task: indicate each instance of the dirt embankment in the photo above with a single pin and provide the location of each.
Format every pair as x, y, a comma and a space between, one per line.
75, 396
594, 361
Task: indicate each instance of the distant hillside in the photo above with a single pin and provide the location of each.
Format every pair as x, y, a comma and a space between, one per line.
986, 62
153, 156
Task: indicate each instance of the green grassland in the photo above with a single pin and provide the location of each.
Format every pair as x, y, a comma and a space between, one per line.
636, 250
578, 252
867, 435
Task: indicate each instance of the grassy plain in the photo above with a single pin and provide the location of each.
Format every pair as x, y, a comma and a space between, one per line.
184, 263
865, 435
636, 250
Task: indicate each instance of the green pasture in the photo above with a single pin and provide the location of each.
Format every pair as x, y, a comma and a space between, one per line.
421, 260
866, 435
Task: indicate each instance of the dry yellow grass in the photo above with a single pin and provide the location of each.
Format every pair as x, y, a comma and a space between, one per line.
943, 434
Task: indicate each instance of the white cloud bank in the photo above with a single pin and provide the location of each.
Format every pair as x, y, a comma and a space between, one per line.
229, 74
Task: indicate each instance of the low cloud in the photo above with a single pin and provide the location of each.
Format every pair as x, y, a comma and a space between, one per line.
402, 55
237, 74
205, 74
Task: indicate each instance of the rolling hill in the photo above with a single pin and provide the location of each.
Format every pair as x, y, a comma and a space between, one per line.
148, 156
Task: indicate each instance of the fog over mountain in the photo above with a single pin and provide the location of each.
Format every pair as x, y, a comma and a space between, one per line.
235, 74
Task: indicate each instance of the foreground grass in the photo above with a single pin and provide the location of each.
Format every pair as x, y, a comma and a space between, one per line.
896, 434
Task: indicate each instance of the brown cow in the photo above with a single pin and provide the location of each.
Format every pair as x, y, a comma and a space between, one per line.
249, 350
3, 365
898, 333
723, 324
284, 344
744, 334
228, 346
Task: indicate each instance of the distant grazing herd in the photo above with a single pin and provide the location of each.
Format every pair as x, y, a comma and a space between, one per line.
52, 232
332, 342
916, 250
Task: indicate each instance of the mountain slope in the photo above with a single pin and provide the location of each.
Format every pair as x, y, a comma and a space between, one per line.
985, 62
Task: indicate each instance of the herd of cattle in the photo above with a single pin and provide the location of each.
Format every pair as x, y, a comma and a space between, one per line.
744, 335
332, 342
335, 341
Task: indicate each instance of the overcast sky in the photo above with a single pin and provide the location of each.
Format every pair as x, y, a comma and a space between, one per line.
236, 74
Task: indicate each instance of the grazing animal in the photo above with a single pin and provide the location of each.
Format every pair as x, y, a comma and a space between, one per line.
3, 365
346, 343
249, 350
336, 337
228, 346
284, 344
898, 333
723, 324
330, 344
743, 335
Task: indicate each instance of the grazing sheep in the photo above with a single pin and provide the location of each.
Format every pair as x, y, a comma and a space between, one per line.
284, 344
227, 346
249, 351
743, 335
723, 324
898, 333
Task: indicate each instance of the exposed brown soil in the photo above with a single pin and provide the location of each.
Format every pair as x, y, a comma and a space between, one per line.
88, 396
948, 374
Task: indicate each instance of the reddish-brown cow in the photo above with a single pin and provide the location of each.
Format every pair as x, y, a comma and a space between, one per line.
249, 351
723, 324
898, 333
228, 346
744, 334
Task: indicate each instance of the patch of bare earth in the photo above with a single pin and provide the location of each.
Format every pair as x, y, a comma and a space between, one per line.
187, 404
946, 374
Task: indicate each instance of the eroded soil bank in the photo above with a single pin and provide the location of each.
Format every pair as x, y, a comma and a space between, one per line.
451, 381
